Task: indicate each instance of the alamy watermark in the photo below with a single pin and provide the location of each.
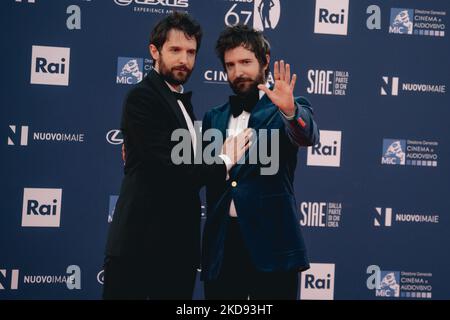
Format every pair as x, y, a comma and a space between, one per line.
264, 149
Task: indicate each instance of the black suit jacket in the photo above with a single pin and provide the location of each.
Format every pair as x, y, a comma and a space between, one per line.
157, 215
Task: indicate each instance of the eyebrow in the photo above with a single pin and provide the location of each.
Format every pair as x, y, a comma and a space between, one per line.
240, 60
179, 47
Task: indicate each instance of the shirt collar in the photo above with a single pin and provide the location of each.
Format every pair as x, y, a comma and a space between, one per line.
261, 93
173, 89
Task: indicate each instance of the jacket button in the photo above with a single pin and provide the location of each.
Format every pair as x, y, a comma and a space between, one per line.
234, 184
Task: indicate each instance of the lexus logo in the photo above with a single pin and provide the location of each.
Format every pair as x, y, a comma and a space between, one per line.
170, 3
100, 277
114, 137
123, 2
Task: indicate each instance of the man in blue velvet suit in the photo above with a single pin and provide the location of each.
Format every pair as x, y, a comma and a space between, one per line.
252, 242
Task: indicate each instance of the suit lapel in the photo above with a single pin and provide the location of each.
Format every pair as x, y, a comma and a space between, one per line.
221, 122
264, 109
162, 88
262, 115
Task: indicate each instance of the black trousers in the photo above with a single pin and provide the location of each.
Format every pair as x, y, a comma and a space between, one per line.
128, 278
240, 280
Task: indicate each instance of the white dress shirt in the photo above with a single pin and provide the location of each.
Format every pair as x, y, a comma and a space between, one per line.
236, 126
188, 119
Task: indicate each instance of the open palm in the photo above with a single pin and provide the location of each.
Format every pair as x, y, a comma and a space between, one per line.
282, 94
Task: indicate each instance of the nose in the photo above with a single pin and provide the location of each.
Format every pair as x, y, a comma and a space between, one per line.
239, 71
183, 58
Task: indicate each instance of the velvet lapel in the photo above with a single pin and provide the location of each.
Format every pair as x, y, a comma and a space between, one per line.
262, 114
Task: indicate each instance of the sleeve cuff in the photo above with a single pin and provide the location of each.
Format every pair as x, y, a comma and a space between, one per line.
291, 117
228, 163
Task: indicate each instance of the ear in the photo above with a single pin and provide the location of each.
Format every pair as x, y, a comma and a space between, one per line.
268, 62
154, 53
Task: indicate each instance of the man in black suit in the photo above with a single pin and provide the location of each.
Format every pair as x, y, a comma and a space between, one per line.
153, 246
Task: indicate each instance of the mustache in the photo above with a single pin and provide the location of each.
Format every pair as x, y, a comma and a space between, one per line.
181, 68
239, 80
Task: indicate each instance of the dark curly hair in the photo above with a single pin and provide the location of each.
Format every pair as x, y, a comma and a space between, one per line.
249, 38
179, 21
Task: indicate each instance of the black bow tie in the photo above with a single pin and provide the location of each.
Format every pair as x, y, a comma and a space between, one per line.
240, 103
185, 98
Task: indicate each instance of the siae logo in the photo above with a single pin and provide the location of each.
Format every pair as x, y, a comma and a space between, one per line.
320, 82
328, 152
327, 82
313, 214
331, 17
320, 214
50, 65
41, 207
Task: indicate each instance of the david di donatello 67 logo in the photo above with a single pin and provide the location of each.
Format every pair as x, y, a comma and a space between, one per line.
265, 14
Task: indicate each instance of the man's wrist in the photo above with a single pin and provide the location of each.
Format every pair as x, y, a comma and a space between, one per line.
290, 117
226, 159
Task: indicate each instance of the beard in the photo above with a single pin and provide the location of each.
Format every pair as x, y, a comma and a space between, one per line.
176, 75
245, 86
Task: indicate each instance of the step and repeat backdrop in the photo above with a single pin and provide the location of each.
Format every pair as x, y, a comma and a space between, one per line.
373, 196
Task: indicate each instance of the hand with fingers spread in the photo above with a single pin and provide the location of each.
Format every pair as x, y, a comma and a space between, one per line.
235, 146
282, 94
